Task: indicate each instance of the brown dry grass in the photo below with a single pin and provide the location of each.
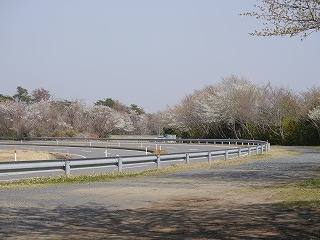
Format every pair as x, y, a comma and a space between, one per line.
25, 155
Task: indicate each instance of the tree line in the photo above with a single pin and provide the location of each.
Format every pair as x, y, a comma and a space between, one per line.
40, 115
232, 108
237, 108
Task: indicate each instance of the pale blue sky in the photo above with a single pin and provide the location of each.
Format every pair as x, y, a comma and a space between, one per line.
147, 52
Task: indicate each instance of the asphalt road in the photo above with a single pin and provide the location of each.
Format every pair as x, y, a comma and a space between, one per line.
98, 149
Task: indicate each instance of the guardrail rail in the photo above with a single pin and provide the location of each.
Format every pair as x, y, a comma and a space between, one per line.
253, 147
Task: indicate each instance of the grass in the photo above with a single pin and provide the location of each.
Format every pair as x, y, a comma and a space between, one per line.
61, 180
303, 194
25, 155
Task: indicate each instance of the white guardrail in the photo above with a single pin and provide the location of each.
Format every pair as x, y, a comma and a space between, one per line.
247, 147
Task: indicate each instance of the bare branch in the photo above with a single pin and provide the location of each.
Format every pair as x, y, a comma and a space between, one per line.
287, 17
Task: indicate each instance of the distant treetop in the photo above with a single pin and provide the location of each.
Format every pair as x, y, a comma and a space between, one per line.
109, 102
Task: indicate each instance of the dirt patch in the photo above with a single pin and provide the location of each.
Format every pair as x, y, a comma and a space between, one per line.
24, 155
138, 210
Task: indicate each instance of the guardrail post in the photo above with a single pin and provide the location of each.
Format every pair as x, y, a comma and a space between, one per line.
265, 146
119, 164
249, 151
209, 157
158, 161
239, 152
67, 167
268, 147
226, 155
257, 149
187, 158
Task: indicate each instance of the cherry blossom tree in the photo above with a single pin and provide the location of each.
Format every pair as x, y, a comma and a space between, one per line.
277, 105
7, 113
238, 99
106, 120
287, 17
40, 94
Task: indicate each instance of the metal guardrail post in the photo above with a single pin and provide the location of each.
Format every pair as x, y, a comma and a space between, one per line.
209, 157
187, 158
119, 164
249, 151
226, 155
257, 149
67, 168
158, 161
239, 152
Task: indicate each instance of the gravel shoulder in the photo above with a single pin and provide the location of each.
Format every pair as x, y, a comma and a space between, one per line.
225, 202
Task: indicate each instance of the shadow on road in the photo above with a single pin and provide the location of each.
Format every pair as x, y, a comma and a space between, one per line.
176, 221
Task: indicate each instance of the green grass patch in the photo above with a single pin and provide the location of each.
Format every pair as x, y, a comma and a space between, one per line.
303, 194
312, 183
62, 180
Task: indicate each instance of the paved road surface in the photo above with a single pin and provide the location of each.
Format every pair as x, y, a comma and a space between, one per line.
86, 149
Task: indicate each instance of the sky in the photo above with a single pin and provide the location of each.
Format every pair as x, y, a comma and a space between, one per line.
145, 52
